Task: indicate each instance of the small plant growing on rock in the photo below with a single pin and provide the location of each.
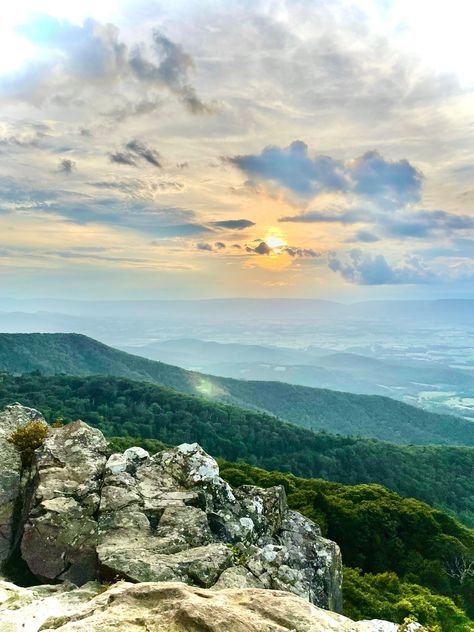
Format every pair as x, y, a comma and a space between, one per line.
58, 422
28, 438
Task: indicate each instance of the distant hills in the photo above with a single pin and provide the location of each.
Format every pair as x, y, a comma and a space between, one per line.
311, 366
316, 409
453, 310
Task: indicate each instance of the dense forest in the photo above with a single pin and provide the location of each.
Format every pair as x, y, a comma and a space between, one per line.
441, 476
316, 409
403, 559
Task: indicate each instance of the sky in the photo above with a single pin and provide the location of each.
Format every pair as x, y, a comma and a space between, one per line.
199, 149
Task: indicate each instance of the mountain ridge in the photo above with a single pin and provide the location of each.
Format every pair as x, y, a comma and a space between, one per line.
316, 409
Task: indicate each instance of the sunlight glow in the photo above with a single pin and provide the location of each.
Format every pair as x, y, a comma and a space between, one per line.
276, 243
16, 49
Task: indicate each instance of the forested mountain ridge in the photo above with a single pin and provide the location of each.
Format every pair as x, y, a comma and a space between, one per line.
440, 475
317, 409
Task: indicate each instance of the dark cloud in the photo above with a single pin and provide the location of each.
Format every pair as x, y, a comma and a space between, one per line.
218, 245
394, 183
397, 182
404, 224
301, 252
234, 224
350, 216
136, 150
262, 248
365, 236
171, 70
422, 224
292, 168
77, 57
367, 269
123, 158
83, 209
66, 166
204, 246
142, 151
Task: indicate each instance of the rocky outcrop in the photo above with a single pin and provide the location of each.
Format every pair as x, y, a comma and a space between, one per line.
60, 535
200, 556
162, 607
169, 517
172, 518
13, 481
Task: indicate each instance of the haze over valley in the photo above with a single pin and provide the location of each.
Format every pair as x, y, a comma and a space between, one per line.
421, 352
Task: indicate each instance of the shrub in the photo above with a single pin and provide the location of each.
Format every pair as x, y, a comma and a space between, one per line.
28, 438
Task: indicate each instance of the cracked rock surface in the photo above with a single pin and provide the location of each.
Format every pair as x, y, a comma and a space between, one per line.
163, 518
166, 607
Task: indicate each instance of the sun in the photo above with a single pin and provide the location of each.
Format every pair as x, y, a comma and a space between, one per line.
275, 243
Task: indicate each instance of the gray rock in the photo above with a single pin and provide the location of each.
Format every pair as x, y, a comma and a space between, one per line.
13, 481
15, 416
237, 577
60, 535
169, 517
198, 566
157, 514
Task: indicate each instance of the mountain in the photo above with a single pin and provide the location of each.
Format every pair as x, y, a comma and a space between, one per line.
312, 366
440, 475
316, 409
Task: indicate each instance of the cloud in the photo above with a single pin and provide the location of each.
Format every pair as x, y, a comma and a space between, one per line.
24, 134
350, 216
204, 246
136, 150
82, 209
142, 151
133, 109
139, 188
171, 71
365, 236
406, 223
262, 249
422, 224
293, 169
66, 166
367, 269
217, 246
123, 158
397, 182
388, 182
74, 58
234, 224
301, 252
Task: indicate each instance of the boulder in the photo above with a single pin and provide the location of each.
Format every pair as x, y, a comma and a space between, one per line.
26, 609
60, 534
13, 484
171, 517
161, 607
